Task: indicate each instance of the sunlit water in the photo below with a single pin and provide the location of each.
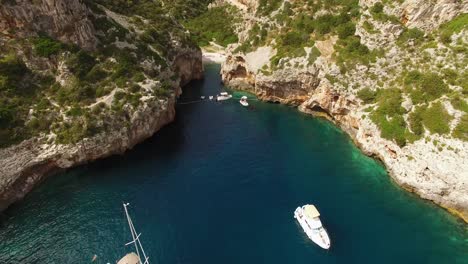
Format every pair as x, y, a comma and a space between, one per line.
220, 185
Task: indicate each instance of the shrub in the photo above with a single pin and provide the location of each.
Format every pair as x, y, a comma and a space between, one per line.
393, 128
96, 74
389, 116
459, 103
81, 63
45, 46
433, 86
346, 30
265, 7
367, 95
12, 73
377, 8
461, 130
454, 26
425, 87
436, 119
351, 51
216, 24
75, 111
314, 54
369, 27
413, 34
415, 120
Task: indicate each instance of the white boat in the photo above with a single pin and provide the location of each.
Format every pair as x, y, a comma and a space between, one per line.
202, 97
211, 97
223, 96
243, 101
308, 218
134, 258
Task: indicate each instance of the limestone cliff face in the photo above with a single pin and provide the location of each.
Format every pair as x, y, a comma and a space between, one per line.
445, 182
25, 165
287, 86
188, 64
434, 173
433, 176
61, 19
423, 14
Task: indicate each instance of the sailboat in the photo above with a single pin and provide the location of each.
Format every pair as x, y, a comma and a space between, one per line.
133, 258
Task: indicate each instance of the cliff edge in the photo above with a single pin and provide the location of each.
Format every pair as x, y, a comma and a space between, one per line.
392, 75
80, 82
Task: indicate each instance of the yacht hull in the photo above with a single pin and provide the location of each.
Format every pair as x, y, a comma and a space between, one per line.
318, 235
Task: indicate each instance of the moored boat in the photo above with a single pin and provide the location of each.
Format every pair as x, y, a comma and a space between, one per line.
223, 96
243, 101
308, 218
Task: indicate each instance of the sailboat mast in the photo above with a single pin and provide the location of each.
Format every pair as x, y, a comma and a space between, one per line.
132, 230
136, 238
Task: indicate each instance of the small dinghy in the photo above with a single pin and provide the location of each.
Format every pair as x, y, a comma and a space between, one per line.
243, 101
308, 218
223, 96
202, 97
211, 97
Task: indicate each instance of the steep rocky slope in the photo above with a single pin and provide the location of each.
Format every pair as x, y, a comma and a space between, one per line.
391, 74
79, 82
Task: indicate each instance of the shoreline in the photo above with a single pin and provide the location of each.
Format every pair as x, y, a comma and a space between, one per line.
25, 165
213, 53
213, 57
347, 127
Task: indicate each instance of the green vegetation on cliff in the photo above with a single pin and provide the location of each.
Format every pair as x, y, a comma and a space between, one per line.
19, 88
95, 88
217, 24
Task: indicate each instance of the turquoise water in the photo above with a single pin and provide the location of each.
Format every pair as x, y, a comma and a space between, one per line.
220, 185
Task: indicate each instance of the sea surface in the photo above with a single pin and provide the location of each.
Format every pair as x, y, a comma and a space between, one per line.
220, 185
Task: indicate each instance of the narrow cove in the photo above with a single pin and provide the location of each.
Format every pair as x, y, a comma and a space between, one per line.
220, 185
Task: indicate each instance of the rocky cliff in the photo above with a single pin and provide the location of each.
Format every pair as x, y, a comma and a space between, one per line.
356, 69
97, 84
67, 21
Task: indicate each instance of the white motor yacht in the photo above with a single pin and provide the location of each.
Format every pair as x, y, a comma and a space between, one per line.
223, 96
308, 218
243, 101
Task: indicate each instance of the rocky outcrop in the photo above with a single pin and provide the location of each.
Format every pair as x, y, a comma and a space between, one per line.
65, 20
189, 66
25, 165
429, 15
435, 166
423, 14
287, 86
411, 166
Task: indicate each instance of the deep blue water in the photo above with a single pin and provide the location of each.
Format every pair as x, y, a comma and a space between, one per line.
220, 185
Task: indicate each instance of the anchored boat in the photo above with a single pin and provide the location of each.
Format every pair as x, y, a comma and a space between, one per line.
133, 258
243, 101
308, 218
223, 96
